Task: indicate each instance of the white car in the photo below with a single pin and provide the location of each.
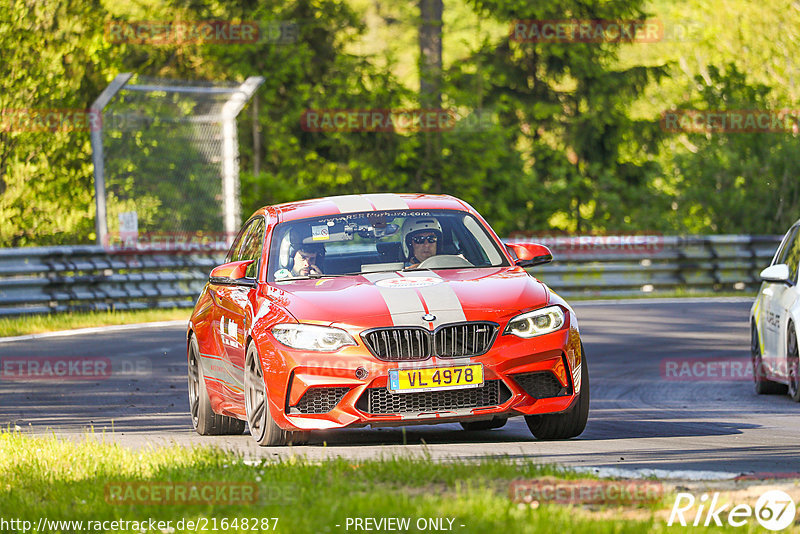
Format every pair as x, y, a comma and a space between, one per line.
775, 321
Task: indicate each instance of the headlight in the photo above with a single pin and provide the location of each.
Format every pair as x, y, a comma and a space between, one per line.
537, 322
312, 337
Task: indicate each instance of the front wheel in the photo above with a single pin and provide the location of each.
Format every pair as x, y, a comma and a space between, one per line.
793, 361
262, 427
204, 420
567, 424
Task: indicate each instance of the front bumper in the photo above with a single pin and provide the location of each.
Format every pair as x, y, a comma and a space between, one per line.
316, 391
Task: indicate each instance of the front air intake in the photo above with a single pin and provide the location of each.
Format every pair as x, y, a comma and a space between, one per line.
541, 385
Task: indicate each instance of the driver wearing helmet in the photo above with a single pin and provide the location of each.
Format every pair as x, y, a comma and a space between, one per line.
422, 238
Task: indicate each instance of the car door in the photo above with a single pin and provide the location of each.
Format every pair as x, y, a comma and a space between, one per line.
226, 327
233, 303
775, 298
784, 300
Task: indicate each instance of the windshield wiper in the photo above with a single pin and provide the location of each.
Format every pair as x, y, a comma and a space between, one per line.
315, 275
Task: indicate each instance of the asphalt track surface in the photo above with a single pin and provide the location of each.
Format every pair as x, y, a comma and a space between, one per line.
641, 417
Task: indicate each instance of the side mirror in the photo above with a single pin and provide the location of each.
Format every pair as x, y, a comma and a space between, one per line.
231, 274
529, 254
777, 274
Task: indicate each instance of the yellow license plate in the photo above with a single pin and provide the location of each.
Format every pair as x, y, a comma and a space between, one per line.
436, 378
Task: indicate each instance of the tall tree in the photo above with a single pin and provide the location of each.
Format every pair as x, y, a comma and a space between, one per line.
590, 163
430, 87
53, 59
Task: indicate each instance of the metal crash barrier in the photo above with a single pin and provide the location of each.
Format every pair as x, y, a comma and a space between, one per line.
636, 265
54, 279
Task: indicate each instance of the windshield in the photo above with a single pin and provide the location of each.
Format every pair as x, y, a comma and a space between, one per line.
379, 241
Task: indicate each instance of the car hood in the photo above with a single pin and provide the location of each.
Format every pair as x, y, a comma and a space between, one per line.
403, 298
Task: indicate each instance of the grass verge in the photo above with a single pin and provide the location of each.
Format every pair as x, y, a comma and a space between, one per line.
62, 480
37, 324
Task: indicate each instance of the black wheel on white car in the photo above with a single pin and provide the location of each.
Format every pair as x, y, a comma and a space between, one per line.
262, 427
474, 426
570, 423
793, 361
204, 420
763, 386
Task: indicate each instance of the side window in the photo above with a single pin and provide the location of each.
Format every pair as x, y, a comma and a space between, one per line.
252, 248
792, 256
235, 250
786, 246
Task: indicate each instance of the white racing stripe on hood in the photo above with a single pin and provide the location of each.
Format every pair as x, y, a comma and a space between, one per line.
406, 307
351, 203
443, 302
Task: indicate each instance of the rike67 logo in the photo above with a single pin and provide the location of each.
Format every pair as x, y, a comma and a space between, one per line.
774, 510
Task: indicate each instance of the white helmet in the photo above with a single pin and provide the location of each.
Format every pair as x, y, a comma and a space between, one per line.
417, 224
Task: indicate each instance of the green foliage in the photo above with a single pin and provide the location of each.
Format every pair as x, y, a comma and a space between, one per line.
569, 136
736, 182
53, 58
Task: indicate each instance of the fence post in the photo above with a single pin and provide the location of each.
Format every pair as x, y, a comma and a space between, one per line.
100, 222
231, 207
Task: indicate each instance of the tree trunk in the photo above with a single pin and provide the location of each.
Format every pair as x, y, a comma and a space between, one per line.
430, 53
256, 137
430, 87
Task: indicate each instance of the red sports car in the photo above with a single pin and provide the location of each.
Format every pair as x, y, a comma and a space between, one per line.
381, 310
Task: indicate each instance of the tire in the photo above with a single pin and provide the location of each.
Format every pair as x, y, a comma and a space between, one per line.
570, 423
793, 361
204, 420
762, 386
474, 426
263, 428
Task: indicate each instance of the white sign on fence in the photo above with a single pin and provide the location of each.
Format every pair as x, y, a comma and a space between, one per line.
128, 227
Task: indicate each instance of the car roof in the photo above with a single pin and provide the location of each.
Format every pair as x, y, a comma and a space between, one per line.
334, 205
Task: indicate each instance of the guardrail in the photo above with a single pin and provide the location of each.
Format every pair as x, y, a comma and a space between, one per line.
645, 264
55, 279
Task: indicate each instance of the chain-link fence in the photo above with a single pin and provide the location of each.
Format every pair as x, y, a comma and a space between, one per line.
166, 162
